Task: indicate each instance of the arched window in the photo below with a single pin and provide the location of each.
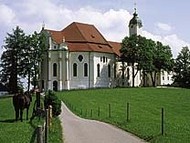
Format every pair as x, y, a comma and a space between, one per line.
74, 69
98, 70
128, 73
115, 71
104, 59
54, 69
109, 71
85, 69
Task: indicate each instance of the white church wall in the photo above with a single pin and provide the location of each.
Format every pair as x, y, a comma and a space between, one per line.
80, 80
103, 59
166, 78
57, 57
92, 59
128, 79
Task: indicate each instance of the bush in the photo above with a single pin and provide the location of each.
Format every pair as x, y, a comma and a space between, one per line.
53, 100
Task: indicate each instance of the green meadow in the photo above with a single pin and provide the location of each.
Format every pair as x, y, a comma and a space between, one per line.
23, 132
144, 112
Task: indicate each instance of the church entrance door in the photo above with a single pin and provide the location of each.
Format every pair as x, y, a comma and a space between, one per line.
55, 86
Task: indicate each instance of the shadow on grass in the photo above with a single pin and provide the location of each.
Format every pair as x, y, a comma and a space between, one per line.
34, 134
8, 121
153, 137
33, 137
34, 124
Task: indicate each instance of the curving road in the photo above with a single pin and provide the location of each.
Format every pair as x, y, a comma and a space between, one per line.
78, 130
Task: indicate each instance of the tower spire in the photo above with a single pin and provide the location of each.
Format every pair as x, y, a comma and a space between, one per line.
135, 23
135, 7
43, 25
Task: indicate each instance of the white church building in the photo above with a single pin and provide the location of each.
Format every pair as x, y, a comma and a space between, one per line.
80, 57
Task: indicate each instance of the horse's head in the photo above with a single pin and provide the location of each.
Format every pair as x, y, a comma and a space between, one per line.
29, 95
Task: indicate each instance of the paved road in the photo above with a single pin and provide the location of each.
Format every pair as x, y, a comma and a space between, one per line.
78, 130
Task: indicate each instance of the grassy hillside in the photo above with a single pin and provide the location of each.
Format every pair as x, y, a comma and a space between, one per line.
22, 132
145, 110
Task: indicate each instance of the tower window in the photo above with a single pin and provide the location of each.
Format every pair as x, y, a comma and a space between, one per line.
54, 69
75, 69
98, 70
85, 69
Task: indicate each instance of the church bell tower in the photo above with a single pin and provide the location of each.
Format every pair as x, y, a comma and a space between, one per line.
135, 24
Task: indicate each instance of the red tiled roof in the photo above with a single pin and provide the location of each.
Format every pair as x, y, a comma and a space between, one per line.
84, 37
87, 47
116, 47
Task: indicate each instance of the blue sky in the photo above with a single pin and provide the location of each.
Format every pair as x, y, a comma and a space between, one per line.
164, 20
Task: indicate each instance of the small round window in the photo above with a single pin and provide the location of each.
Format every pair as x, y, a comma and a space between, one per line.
80, 57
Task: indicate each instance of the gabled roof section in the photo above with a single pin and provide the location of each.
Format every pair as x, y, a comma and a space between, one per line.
116, 47
80, 32
83, 37
57, 36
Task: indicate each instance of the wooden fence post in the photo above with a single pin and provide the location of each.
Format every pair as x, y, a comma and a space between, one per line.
50, 115
39, 134
109, 111
127, 111
81, 112
37, 100
98, 111
91, 113
47, 125
162, 121
86, 114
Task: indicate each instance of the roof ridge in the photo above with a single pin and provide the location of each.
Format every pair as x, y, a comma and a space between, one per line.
80, 31
106, 42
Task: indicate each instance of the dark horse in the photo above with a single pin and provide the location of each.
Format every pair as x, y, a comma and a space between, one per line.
20, 102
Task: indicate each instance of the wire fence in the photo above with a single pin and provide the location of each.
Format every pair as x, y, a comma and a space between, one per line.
110, 113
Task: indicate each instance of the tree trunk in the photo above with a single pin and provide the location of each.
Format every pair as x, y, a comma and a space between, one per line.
123, 74
28, 81
153, 77
144, 78
13, 86
133, 73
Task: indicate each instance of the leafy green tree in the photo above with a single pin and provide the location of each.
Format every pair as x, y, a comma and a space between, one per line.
145, 63
38, 47
11, 59
147, 56
54, 101
130, 53
33, 55
162, 60
21, 58
182, 68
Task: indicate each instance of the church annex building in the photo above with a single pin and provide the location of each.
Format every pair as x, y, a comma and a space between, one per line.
80, 57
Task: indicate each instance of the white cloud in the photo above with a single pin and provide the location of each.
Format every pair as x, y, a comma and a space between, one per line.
113, 24
164, 26
172, 40
7, 15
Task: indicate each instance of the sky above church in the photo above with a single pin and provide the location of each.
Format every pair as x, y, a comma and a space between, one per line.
163, 20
